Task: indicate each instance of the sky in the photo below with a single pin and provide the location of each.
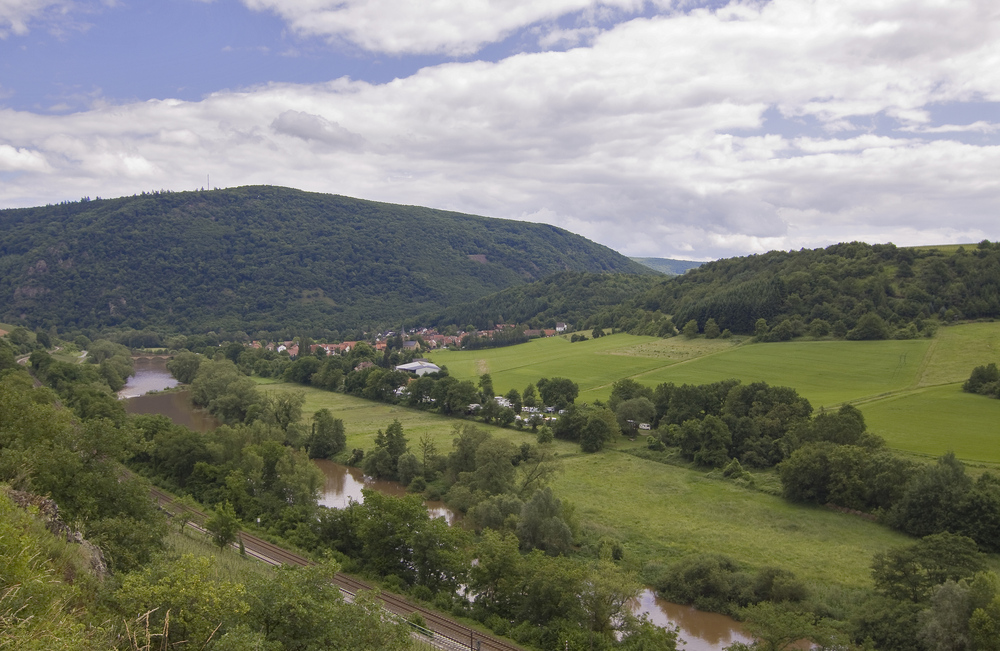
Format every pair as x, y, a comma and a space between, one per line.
693, 129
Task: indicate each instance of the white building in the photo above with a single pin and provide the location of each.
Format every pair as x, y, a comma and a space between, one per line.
419, 367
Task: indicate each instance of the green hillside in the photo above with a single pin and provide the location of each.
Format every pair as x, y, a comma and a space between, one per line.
568, 296
890, 292
266, 259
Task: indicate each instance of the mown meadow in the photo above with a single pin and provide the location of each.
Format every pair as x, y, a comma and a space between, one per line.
910, 390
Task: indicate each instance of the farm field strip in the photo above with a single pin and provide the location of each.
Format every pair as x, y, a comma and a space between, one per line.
935, 420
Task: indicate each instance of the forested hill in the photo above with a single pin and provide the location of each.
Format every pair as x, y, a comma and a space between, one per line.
853, 289
266, 259
572, 297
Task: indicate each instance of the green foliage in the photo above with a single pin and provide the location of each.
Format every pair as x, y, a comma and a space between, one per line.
301, 608
557, 392
185, 598
606, 596
776, 628
328, 437
911, 572
569, 296
707, 581
224, 391
39, 609
870, 326
383, 461
852, 289
542, 525
223, 525
845, 475
184, 366
985, 380
44, 450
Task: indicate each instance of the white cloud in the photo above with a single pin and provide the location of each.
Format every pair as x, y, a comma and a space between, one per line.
315, 127
455, 27
980, 126
15, 15
634, 141
21, 160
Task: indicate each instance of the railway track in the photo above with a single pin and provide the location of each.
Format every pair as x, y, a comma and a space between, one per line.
447, 633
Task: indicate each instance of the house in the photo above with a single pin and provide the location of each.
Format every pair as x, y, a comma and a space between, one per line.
329, 349
561, 327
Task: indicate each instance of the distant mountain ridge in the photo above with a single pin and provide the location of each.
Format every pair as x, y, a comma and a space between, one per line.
263, 258
668, 266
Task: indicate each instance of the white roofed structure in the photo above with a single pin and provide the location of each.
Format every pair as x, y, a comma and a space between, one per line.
419, 367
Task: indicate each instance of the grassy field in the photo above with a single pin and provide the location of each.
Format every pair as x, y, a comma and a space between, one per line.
945, 249
660, 512
663, 513
956, 350
826, 372
591, 364
934, 420
909, 390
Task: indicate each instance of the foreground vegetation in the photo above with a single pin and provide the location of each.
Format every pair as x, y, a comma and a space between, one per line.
93, 568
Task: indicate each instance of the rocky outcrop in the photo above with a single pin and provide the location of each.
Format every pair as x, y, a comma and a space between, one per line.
48, 512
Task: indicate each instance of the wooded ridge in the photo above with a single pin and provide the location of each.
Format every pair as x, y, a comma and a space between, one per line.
266, 258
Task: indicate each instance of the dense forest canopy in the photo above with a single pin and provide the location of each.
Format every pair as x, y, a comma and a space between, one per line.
567, 296
265, 258
838, 285
853, 290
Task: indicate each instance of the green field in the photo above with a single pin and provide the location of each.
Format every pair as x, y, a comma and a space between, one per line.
909, 390
663, 513
828, 373
938, 419
591, 364
660, 512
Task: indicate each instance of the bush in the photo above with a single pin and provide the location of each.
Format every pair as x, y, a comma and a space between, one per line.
711, 582
985, 380
870, 327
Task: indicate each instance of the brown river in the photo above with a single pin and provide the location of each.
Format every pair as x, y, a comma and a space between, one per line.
700, 630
